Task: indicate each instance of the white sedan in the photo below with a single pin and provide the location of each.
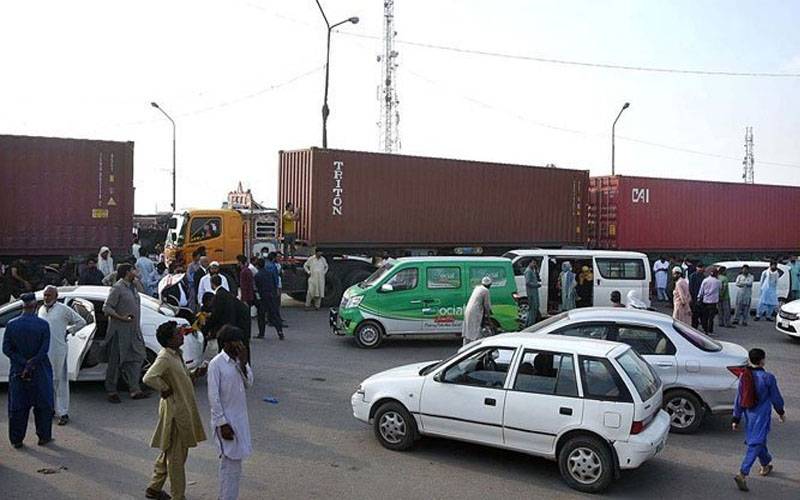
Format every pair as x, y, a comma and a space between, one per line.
594, 406
82, 357
788, 321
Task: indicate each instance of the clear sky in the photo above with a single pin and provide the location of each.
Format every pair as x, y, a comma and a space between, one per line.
244, 79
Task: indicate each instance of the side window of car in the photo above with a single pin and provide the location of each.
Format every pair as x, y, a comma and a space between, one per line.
732, 273
645, 340
588, 331
543, 372
601, 380
8, 316
443, 278
405, 279
485, 368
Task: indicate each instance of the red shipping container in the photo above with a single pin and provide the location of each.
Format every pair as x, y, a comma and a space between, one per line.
652, 215
375, 200
65, 197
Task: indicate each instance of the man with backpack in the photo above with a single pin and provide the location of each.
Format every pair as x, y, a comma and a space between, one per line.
756, 396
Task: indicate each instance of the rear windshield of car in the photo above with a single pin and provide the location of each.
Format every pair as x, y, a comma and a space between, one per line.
544, 324
643, 377
697, 339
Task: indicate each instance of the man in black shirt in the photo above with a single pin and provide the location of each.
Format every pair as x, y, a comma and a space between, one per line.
695, 280
90, 274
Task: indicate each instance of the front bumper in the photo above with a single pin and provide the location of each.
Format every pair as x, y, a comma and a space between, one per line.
360, 407
344, 321
643, 446
786, 325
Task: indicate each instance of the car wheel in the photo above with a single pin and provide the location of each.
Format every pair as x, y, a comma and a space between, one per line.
522, 313
395, 428
369, 335
685, 411
586, 464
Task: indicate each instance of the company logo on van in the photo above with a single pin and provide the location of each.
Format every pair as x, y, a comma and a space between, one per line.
336, 201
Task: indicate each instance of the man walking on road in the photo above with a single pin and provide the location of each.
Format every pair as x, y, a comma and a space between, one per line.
756, 397
532, 286
315, 267
708, 298
63, 321
768, 302
124, 343
744, 293
661, 274
179, 425
30, 378
229, 376
267, 286
695, 280
724, 299
478, 310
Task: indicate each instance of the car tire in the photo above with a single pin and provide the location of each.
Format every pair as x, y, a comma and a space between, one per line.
394, 427
369, 335
586, 464
685, 409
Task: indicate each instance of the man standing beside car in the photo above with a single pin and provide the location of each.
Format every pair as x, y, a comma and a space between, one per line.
794, 278
695, 280
532, 285
724, 299
124, 344
744, 293
708, 298
478, 309
63, 321
768, 302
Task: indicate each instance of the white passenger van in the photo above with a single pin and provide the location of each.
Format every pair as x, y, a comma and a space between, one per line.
611, 270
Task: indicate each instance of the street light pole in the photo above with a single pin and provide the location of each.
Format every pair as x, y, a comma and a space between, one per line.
624, 107
325, 108
155, 105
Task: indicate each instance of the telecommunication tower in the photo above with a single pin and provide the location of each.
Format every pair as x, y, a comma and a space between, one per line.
389, 120
749, 160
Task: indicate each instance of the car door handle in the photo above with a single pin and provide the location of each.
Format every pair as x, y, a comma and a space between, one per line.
665, 364
490, 402
565, 411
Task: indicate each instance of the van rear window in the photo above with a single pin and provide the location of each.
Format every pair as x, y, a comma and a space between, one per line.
620, 269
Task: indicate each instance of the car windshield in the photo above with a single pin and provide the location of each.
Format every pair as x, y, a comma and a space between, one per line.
433, 366
376, 276
643, 377
697, 339
544, 324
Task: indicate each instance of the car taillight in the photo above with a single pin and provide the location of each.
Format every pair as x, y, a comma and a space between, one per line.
637, 427
737, 370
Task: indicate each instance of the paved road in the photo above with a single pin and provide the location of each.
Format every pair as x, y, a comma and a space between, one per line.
309, 446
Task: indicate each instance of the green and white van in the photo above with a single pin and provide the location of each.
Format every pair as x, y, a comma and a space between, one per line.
424, 296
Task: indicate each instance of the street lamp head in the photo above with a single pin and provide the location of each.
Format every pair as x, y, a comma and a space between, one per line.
625, 106
353, 20
155, 105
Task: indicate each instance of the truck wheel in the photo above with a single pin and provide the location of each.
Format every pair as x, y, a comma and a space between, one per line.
333, 290
369, 335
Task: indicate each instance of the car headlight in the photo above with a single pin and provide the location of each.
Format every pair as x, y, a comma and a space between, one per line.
354, 301
361, 392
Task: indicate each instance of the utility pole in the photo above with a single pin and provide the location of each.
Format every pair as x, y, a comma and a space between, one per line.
613, 133
389, 120
155, 105
748, 175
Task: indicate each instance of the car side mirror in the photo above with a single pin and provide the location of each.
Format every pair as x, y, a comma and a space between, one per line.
386, 287
438, 377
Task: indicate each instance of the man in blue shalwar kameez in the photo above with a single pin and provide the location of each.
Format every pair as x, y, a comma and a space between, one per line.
758, 416
30, 378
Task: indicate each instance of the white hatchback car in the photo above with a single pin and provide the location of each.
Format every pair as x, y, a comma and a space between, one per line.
82, 356
700, 374
788, 321
594, 406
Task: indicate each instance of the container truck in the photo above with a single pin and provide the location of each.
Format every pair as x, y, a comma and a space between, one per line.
62, 199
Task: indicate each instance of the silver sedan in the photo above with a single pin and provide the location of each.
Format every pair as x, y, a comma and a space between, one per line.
700, 374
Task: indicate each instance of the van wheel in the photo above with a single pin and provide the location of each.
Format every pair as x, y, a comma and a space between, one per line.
369, 335
685, 411
522, 312
586, 464
395, 428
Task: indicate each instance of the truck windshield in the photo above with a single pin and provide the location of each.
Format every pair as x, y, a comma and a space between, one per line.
376, 276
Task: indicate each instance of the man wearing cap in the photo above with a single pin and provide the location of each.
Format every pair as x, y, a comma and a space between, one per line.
124, 343
478, 308
205, 282
63, 321
30, 377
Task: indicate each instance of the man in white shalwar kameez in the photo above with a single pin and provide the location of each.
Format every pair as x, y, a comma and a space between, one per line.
315, 267
229, 376
62, 320
661, 275
478, 308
